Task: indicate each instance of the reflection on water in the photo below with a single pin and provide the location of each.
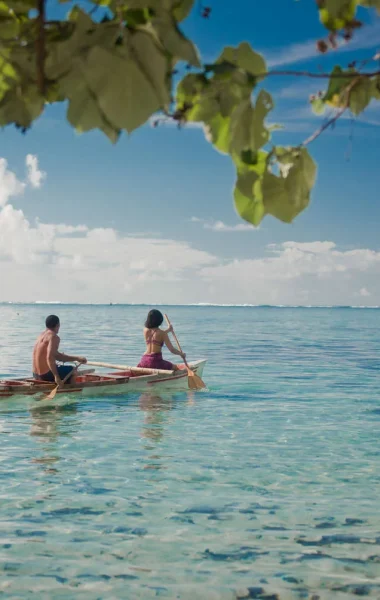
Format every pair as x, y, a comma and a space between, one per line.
48, 423
155, 408
265, 487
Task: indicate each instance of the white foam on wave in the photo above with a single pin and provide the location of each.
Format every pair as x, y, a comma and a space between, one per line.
195, 304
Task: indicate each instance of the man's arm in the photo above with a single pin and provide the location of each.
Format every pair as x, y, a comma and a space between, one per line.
68, 358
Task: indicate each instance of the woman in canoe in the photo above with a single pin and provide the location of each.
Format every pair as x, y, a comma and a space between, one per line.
155, 338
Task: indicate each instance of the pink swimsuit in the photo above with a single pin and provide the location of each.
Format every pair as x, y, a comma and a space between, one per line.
154, 360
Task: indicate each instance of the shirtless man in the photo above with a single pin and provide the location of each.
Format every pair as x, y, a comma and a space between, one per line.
45, 355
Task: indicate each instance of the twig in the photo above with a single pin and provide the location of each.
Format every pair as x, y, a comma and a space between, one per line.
350, 141
40, 46
338, 114
343, 75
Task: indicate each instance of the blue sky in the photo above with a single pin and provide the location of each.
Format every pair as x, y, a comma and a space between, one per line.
155, 181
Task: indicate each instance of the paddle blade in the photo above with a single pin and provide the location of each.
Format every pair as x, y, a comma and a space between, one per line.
195, 382
52, 394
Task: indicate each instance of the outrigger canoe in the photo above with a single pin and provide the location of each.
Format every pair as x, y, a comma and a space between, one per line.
89, 383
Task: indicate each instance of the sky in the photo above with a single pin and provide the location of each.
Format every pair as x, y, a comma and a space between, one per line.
151, 219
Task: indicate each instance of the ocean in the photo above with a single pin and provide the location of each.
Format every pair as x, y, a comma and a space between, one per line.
264, 486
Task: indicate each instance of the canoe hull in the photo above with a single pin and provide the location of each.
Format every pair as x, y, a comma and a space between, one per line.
94, 385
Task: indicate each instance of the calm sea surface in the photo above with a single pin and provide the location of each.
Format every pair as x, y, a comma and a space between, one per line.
266, 486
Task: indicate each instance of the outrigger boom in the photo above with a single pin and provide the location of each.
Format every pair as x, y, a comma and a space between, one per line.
89, 383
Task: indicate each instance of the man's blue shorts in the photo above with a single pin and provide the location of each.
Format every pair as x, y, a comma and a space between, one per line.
62, 372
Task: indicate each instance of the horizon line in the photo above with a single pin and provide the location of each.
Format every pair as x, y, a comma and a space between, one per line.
193, 304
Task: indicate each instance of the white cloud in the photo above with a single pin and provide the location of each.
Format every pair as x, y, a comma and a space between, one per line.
73, 263
300, 90
34, 175
9, 184
365, 38
67, 229
312, 247
296, 273
219, 226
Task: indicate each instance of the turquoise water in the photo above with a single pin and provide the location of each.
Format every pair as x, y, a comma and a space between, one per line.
265, 486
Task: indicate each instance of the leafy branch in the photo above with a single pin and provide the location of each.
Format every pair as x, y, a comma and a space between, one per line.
338, 75
115, 64
345, 96
40, 47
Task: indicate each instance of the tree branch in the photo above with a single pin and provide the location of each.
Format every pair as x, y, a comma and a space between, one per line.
336, 116
343, 75
40, 46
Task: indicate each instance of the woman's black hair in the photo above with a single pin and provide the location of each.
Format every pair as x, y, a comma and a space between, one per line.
154, 319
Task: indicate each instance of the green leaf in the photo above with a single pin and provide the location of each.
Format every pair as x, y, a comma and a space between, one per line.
124, 91
260, 135
248, 157
136, 17
173, 40
249, 60
375, 87
337, 14
300, 181
241, 123
8, 75
275, 127
243, 57
190, 88
248, 203
287, 195
337, 85
248, 160
9, 27
217, 131
370, 4
247, 124
153, 64
344, 9
20, 6
182, 8
21, 107
85, 34
360, 96
84, 113
318, 105
276, 198
195, 105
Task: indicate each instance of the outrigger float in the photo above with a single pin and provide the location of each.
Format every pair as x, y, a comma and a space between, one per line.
89, 383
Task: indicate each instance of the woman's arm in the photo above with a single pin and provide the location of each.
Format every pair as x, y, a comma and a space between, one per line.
170, 346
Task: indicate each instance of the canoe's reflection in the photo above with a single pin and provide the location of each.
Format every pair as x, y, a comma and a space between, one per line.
50, 423
158, 415
156, 406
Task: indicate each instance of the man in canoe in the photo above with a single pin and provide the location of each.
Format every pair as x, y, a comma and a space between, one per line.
46, 353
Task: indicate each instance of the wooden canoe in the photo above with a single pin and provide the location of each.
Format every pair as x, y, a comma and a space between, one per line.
90, 383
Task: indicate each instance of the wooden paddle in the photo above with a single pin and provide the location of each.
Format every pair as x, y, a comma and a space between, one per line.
52, 394
142, 370
195, 382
